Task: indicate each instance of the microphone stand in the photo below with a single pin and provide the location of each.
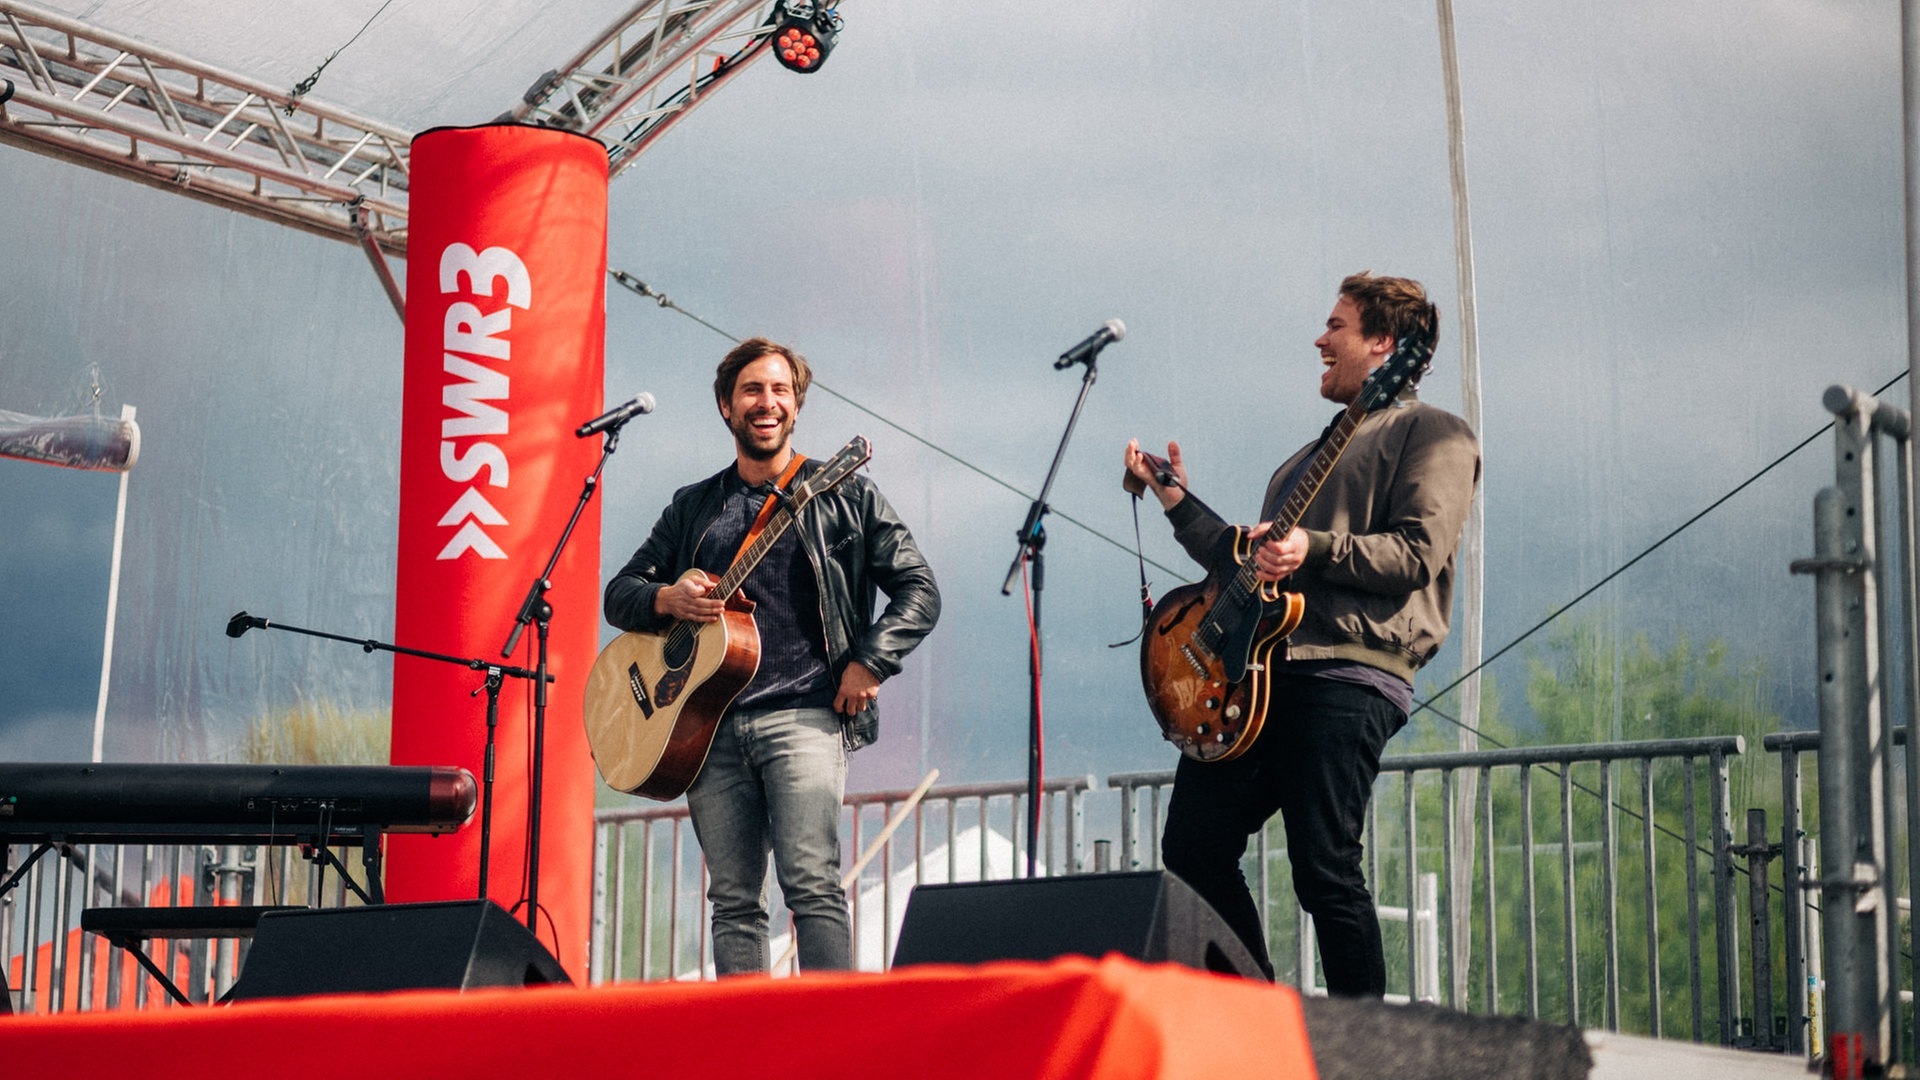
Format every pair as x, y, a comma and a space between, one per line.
1033, 538
535, 609
243, 622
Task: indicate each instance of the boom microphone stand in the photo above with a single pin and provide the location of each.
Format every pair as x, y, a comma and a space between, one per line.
535, 609
243, 622
1033, 538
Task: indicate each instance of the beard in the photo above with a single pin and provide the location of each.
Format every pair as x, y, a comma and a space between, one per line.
758, 445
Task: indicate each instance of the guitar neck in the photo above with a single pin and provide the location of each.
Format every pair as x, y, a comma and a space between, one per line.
736, 574
1311, 481
1315, 476
851, 457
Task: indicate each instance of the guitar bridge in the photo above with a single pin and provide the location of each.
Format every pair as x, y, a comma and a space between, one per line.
638, 684
1193, 661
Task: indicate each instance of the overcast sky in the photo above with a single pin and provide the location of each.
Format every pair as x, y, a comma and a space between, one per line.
1687, 225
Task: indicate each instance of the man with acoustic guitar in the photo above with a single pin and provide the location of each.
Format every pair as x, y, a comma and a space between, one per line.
1371, 556
776, 772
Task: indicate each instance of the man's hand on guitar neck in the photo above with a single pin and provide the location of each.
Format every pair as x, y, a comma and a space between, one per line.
689, 599
1167, 477
1277, 558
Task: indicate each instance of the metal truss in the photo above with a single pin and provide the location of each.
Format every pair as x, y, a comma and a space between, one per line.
106, 101
648, 70
95, 98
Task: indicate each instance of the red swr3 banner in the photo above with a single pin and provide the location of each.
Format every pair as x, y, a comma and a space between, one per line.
505, 329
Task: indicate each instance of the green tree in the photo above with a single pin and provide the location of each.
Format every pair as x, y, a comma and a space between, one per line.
1585, 686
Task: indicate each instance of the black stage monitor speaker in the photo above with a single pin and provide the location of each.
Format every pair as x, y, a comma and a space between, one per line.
1151, 916
456, 945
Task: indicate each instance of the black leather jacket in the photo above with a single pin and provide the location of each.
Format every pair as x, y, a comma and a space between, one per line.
856, 543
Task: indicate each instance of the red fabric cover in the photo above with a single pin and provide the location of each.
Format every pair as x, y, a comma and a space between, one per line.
505, 339
1112, 1019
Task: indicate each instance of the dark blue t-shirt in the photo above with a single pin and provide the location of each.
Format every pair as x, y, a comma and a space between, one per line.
793, 671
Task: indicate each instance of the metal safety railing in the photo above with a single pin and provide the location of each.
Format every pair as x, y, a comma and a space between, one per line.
51, 965
1798, 851
1864, 602
651, 917
1528, 952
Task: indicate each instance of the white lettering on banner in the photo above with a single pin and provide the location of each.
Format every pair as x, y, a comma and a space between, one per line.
478, 383
470, 329
470, 511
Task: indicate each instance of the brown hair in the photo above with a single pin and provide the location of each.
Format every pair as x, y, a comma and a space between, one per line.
753, 349
1397, 307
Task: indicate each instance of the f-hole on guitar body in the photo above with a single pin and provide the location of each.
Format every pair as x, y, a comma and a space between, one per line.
1204, 655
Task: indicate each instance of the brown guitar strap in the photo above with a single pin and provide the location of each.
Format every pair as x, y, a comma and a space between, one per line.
773, 500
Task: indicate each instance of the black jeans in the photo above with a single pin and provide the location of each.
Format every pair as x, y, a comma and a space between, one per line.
1314, 761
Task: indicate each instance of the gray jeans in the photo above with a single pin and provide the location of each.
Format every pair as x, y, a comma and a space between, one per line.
774, 783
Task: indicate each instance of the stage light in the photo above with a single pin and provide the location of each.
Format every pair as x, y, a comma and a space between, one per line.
804, 33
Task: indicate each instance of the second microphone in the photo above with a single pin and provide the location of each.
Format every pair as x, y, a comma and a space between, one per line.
613, 418
1113, 330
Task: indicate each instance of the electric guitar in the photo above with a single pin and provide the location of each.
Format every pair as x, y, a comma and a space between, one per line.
1204, 654
655, 698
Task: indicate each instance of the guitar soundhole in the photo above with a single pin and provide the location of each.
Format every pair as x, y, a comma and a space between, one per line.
679, 647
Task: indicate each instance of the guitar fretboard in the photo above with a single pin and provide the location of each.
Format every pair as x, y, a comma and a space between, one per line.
1308, 485
736, 574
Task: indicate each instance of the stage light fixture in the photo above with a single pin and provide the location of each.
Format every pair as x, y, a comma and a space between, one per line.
804, 33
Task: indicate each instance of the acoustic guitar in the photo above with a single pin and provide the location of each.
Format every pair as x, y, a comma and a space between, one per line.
1204, 655
655, 698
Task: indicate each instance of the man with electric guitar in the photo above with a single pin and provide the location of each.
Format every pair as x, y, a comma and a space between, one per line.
754, 659
1282, 676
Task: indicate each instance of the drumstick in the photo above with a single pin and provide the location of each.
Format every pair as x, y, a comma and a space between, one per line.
851, 876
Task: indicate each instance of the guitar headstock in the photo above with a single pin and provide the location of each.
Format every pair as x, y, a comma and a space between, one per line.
856, 453
1409, 361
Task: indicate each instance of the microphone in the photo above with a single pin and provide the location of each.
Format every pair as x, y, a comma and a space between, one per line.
643, 403
242, 623
1113, 330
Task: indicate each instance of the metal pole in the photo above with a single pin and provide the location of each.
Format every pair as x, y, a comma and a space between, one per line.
1726, 934
1609, 894
1470, 560
1794, 903
1902, 579
1651, 900
1455, 994
1527, 891
1695, 994
1759, 920
1910, 138
113, 605
1851, 893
